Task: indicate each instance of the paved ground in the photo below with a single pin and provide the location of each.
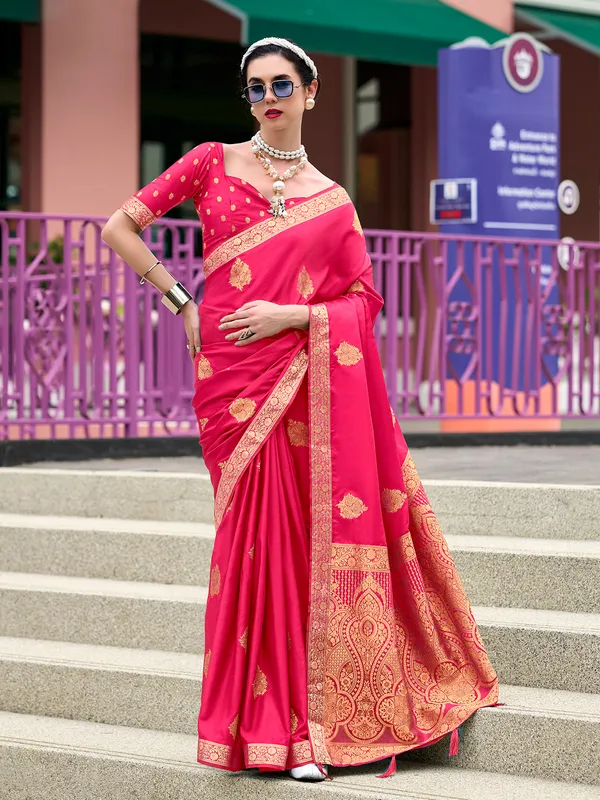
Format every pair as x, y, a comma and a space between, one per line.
578, 465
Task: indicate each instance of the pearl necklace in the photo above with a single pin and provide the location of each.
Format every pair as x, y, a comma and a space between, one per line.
277, 201
290, 155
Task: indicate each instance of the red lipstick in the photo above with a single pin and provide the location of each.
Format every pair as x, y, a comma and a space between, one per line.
273, 113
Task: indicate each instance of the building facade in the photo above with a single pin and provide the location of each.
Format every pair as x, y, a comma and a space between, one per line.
96, 99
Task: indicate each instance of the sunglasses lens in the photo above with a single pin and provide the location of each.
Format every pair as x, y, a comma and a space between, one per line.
255, 93
283, 88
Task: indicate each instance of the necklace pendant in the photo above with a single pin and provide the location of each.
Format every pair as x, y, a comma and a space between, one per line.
278, 206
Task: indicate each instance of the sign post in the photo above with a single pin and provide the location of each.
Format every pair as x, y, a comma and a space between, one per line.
499, 123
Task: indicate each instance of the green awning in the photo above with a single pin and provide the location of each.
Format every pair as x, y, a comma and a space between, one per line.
395, 31
580, 29
20, 10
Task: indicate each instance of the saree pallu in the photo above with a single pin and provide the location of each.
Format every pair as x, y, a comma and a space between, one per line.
337, 627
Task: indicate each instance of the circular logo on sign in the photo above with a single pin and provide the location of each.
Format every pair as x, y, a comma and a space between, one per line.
523, 62
568, 197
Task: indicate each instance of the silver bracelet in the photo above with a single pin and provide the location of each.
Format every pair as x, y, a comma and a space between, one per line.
176, 298
143, 278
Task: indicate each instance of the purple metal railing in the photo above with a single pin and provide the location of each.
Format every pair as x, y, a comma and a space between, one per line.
473, 328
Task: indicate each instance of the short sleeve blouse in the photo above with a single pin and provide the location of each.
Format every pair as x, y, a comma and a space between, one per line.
226, 205
183, 180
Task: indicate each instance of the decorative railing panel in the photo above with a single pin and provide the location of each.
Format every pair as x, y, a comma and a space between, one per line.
472, 328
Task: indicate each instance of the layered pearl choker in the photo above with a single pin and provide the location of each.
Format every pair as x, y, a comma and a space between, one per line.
260, 144
262, 151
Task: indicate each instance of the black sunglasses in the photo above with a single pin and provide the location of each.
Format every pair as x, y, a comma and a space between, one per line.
255, 93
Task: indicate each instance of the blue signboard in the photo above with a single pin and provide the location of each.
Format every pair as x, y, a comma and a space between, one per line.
453, 202
499, 122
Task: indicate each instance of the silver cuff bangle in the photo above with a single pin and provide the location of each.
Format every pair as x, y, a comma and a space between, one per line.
176, 298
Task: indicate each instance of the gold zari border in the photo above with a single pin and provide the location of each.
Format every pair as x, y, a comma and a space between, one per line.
360, 557
321, 522
274, 755
214, 753
260, 233
257, 431
139, 212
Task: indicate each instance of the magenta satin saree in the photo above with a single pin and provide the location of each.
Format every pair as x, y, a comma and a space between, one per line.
337, 627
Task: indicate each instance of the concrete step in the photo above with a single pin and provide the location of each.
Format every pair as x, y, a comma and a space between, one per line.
165, 496
93, 761
529, 510
117, 549
549, 649
149, 689
552, 649
550, 574
553, 574
538, 733
150, 616
156, 690
545, 511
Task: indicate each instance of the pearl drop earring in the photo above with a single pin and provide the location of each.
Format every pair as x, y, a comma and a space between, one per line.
309, 104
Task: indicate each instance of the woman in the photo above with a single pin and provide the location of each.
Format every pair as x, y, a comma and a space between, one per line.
337, 629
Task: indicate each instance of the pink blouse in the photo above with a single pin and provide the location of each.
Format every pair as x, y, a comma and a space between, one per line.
225, 204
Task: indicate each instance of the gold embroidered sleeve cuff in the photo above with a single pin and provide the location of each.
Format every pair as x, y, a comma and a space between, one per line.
139, 212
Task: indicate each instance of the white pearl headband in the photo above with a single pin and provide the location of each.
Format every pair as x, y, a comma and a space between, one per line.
282, 43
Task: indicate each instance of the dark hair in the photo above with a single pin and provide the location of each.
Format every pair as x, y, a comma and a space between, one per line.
305, 72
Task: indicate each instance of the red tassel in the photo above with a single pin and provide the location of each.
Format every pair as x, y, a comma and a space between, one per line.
391, 770
454, 740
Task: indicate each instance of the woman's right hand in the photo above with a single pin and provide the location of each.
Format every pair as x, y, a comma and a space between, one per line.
191, 322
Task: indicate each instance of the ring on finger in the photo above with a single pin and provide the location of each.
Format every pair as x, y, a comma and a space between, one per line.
246, 333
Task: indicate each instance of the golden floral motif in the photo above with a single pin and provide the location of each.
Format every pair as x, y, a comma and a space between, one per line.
203, 368
272, 755
356, 223
251, 551
243, 640
392, 500
293, 721
268, 228
207, 656
305, 284
412, 481
260, 683
356, 287
233, 728
222, 465
139, 212
393, 416
215, 581
213, 753
203, 423
297, 433
351, 507
407, 547
257, 431
240, 275
242, 409
348, 355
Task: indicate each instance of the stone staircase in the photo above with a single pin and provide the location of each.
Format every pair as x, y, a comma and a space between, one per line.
102, 593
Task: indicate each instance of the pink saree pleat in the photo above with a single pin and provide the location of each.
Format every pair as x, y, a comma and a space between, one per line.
255, 681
